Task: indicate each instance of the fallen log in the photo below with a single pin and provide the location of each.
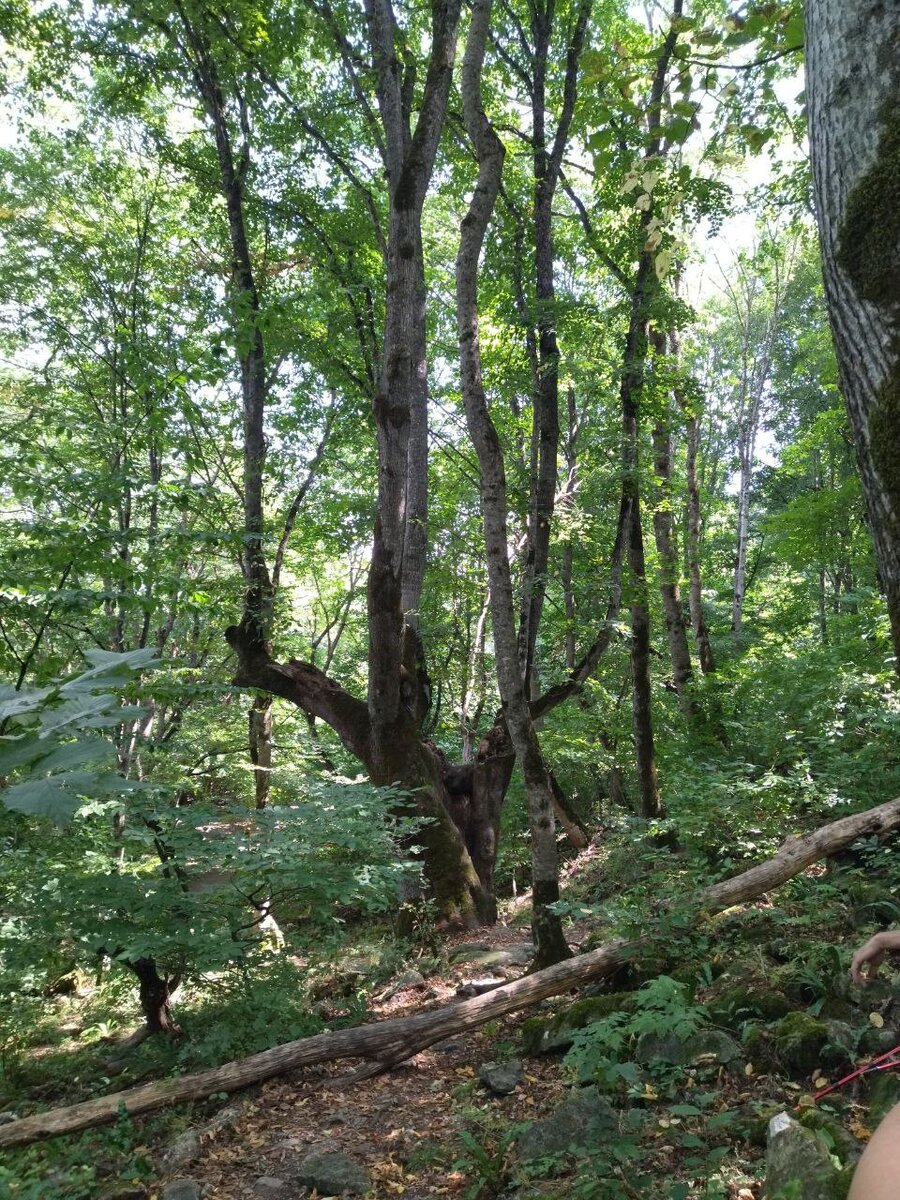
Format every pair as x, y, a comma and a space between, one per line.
387, 1043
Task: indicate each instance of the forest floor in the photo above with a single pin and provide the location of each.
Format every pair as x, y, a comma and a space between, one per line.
765, 985
404, 1126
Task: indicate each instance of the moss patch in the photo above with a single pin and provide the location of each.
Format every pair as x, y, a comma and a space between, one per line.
739, 1004
869, 239
800, 1043
541, 1035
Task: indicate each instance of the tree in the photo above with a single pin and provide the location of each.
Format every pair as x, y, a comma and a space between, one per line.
855, 147
512, 672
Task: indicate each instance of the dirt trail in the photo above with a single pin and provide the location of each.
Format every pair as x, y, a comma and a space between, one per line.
402, 1126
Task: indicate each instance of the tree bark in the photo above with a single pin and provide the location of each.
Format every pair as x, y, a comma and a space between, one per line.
459, 892
401, 402
679, 653
694, 526
547, 158
259, 721
156, 993
550, 945
853, 91
567, 501
388, 1043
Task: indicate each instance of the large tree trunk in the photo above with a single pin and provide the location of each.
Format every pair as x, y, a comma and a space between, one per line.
853, 94
387, 1043
550, 945
458, 891
398, 693
567, 502
746, 459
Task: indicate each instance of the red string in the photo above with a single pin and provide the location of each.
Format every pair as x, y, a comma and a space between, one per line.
855, 1074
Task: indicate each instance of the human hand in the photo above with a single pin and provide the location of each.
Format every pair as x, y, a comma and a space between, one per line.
866, 961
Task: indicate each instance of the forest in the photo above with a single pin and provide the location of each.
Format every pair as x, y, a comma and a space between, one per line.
449, 598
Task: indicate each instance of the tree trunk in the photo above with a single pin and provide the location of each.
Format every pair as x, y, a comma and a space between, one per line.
632, 382
549, 942
260, 735
547, 158
388, 1043
567, 501
156, 993
407, 760
698, 620
397, 696
853, 91
746, 455
679, 653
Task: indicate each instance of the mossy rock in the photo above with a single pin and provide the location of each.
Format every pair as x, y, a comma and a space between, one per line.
752, 1121
842, 1143
548, 1035
836, 1009
883, 1095
800, 1042
799, 1163
878, 1041
711, 1045
742, 1003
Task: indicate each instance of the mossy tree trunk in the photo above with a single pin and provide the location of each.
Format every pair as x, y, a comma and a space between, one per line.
853, 95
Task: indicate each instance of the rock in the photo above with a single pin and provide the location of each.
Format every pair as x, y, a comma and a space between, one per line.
541, 1035
225, 1118
842, 1143
409, 979
181, 1152
796, 1156
883, 1095
450, 1046
584, 1119
501, 1078
7, 1118
506, 956
470, 950
267, 1187
709, 1044
477, 987
877, 1041
801, 1043
738, 1004
334, 1174
182, 1189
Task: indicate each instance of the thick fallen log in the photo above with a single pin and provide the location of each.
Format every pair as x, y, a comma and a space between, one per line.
387, 1043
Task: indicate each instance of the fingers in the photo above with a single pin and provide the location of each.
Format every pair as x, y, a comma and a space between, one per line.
865, 963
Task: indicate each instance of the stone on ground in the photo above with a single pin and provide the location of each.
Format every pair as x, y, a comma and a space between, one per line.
182, 1189
501, 1078
709, 1044
268, 1187
181, 1152
795, 1156
334, 1174
584, 1119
